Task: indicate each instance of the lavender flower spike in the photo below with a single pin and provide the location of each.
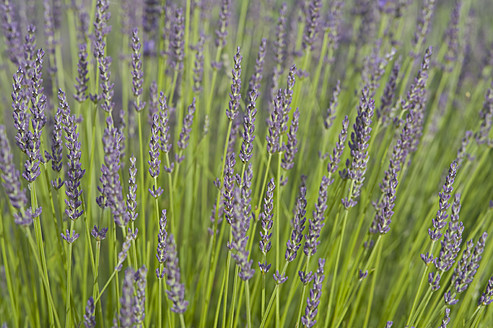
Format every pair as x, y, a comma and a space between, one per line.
256, 78
125, 247
222, 30
235, 95
446, 318
294, 241
139, 309
311, 24
248, 133
439, 221
75, 172
290, 148
335, 158
82, 79
176, 290
127, 300
177, 40
89, 317
154, 152
10, 175
360, 138
313, 301
317, 222
266, 218
487, 297
186, 130
132, 190
161, 242
137, 71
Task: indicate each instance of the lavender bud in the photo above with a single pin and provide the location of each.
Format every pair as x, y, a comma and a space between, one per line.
222, 30
248, 134
177, 40
82, 79
280, 278
99, 234
294, 241
311, 24
290, 148
139, 309
317, 222
89, 317
360, 138
11, 32
266, 218
176, 290
487, 297
127, 300
186, 130
256, 78
137, 71
132, 190
308, 319
330, 113
335, 158
198, 68
161, 239
74, 171
125, 247
383, 113
154, 150
69, 239
235, 95
228, 188
446, 318
439, 221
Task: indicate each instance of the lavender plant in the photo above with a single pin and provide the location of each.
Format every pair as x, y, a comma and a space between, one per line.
343, 149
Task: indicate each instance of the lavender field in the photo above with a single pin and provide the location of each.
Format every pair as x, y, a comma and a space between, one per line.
253, 163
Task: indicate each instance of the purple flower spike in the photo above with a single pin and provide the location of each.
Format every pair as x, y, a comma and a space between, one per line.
305, 278
360, 138
335, 158
127, 300
99, 234
256, 78
198, 68
74, 154
382, 220
177, 40
487, 297
451, 239
439, 221
176, 290
248, 133
70, 239
294, 242
280, 278
331, 110
308, 319
389, 324
154, 149
10, 175
161, 242
317, 222
228, 190
266, 218
222, 30
311, 24
235, 95
132, 190
125, 247
82, 79
290, 148
89, 317
137, 71
186, 130
446, 318
140, 279
11, 32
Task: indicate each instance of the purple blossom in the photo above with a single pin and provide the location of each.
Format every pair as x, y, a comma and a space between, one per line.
154, 149
228, 187
184, 139
317, 222
222, 30
82, 79
140, 297
69, 238
311, 24
11, 32
132, 190
99, 234
487, 297
127, 300
311, 310
10, 175
294, 242
383, 216
74, 154
137, 71
446, 318
266, 218
122, 256
89, 316
331, 110
235, 95
486, 116
451, 239
177, 40
248, 134
444, 196
56, 155
198, 67
161, 242
290, 148
383, 113
335, 158
274, 124
176, 290
360, 138
256, 78
280, 278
